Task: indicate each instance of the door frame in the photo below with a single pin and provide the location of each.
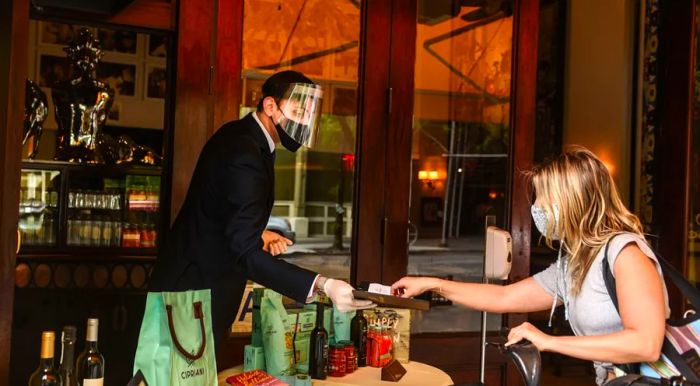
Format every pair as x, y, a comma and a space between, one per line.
14, 40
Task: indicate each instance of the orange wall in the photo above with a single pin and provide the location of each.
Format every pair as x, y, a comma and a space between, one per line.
598, 82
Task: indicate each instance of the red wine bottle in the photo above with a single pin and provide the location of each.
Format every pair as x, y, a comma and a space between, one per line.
358, 334
318, 354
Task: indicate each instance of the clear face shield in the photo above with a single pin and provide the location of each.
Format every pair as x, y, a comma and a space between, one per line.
301, 112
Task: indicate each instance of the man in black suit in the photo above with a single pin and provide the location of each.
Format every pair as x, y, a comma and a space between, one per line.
216, 241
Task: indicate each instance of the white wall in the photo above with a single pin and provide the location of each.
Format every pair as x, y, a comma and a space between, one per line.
598, 96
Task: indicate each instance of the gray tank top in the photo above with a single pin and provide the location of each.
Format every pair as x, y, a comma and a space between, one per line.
591, 312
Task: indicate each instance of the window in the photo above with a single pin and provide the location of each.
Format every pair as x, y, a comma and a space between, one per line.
313, 187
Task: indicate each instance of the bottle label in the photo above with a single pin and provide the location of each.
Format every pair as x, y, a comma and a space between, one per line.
93, 382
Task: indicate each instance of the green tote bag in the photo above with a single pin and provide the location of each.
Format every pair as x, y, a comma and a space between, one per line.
176, 342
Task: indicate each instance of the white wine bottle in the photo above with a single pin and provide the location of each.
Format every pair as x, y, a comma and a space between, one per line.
46, 374
90, 366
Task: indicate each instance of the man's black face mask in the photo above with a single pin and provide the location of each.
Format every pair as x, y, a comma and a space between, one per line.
287, 141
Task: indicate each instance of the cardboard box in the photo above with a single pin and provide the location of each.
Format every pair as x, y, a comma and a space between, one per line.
341, 324
255, 378
242, 325
253, 358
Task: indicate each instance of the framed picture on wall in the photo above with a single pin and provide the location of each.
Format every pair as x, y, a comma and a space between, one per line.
157, 46
156, 82
123, 42
52, 69
58, 33
114, 112
119, 76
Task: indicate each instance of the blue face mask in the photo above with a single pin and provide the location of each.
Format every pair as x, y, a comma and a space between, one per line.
539, 215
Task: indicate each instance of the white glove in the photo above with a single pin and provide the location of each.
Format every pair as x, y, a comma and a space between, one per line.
340, 293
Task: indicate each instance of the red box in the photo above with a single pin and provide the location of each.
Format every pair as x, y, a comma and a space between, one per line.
254, 378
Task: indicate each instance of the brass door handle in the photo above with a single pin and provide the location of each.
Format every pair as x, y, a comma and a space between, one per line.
19, 240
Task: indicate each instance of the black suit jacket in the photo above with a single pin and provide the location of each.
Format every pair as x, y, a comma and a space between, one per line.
215, 241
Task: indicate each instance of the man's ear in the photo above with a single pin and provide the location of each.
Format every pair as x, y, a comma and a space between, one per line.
268, 105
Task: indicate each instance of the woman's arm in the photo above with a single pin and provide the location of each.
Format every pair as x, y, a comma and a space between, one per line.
523, 296
642, 309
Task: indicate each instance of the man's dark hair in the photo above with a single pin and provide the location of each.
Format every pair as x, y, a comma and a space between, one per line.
276, 85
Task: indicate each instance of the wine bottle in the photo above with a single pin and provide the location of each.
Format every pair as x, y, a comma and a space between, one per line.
358, 334
90, 367
46, 374
318, 346
66, 369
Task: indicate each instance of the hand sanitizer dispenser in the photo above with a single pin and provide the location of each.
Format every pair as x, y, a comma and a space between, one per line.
498, 254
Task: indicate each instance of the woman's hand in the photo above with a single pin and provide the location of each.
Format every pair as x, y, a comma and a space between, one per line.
542, 341
274, 243
410, 286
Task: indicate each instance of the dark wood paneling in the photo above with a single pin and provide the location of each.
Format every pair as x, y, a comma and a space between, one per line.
523, 139
673, 145
458, 356
141, 14
14, 40
523, 109
402, 58
229, 44
368, 216
192, 101
155, 14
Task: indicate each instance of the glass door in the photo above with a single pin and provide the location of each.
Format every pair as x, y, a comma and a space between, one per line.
460, 152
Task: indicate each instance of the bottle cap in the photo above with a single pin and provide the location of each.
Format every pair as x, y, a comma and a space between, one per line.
47, 341
69, 333
92, 325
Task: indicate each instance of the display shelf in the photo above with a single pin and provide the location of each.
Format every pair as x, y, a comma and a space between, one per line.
89, 211
88, 254
102, 169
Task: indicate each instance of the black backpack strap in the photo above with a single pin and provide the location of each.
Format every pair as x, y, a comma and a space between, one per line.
609, 278
687, 289
629, 368
689, 292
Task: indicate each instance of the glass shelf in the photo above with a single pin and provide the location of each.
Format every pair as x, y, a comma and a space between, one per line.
77, 209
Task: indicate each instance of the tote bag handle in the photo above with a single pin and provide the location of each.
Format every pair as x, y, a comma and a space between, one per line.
198, 314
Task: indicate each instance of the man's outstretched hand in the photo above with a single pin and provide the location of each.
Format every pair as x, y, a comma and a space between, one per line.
340, 293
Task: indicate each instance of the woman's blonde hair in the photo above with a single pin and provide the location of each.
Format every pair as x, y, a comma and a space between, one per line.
590, 209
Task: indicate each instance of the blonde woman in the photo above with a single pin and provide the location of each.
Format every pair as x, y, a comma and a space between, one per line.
578, 205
